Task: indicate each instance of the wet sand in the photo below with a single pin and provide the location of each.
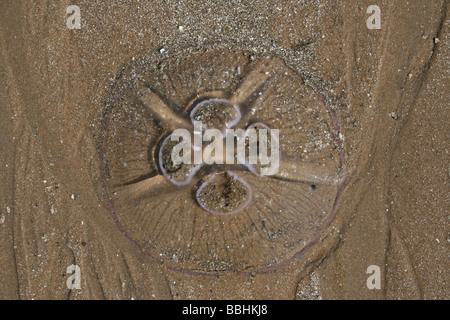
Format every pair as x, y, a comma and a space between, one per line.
387, 88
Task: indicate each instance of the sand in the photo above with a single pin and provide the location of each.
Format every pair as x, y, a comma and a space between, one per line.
387, 88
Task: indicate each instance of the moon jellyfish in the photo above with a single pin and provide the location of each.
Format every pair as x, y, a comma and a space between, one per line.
219, 216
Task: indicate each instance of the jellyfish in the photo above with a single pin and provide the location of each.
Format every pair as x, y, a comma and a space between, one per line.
217, 216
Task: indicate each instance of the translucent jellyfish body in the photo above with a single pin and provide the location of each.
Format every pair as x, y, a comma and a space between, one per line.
219, 216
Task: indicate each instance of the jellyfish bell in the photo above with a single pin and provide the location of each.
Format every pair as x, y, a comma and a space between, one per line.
219, 217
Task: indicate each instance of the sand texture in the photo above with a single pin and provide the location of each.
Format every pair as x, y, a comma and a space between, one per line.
363, 116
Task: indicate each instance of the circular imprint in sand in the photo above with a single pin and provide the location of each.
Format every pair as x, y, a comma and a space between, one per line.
208, 217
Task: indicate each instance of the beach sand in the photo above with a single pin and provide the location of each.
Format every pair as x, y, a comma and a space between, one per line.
386, 86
